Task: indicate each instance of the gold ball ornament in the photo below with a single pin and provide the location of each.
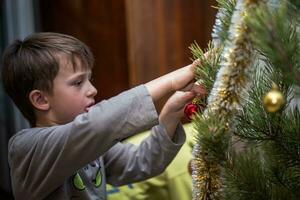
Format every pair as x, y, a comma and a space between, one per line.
273, 100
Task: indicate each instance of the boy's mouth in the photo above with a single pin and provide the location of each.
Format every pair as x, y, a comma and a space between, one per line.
89, 106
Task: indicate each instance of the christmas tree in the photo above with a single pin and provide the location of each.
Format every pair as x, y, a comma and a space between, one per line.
248, 136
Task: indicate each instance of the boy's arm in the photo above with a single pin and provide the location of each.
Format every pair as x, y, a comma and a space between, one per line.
127, 163
124, 163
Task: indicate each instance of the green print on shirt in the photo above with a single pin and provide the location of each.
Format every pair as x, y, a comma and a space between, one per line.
98, 180
79, 185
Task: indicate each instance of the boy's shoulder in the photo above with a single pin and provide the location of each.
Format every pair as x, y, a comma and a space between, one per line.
29, 132
25, 138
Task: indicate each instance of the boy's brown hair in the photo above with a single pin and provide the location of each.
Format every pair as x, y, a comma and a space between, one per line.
34, 63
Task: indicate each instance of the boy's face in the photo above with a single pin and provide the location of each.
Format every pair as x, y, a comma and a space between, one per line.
72, 93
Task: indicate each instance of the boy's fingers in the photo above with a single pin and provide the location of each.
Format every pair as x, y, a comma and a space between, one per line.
199, 90
188, 87
180, 98
196, 63
186, 97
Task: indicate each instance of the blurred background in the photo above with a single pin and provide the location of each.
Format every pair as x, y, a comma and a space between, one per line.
133, 41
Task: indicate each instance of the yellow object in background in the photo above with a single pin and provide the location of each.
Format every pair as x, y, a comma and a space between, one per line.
175, 183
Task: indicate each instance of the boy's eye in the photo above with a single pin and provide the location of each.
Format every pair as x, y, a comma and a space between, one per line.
77, 83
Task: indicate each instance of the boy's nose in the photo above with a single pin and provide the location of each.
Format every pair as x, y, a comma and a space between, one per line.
92, 91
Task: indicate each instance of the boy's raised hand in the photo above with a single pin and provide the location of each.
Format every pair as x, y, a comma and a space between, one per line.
183, 77
171, 82
172, 112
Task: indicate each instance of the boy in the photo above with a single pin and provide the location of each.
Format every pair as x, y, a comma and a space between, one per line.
72, 147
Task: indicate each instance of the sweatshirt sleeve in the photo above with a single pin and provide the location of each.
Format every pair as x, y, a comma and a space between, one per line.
127, 163
41, 159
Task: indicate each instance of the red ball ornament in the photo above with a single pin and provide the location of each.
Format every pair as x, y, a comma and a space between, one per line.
196, 106
190, 110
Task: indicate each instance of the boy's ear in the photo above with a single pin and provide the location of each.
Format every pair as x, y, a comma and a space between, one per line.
39, 100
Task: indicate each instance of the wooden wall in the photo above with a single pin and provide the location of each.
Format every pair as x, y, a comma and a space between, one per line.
133, 41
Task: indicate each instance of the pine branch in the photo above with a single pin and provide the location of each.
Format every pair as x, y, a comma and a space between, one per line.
280, 138
294, 5
245, 177
288, 142
277, 38
283, 172
209, 64
249, 176
247, 125
211, 137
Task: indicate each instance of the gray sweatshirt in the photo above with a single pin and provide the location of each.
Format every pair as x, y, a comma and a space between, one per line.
74, 161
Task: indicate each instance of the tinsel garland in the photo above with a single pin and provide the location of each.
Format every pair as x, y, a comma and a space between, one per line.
225, 100
219, 26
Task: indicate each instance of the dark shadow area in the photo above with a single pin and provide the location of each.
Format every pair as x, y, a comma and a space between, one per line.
5, 195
